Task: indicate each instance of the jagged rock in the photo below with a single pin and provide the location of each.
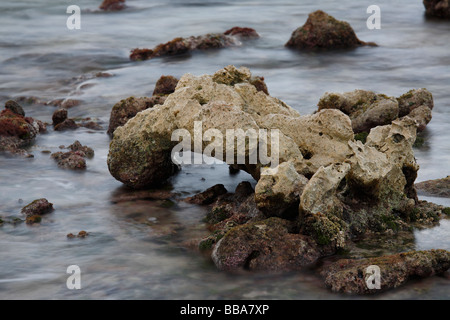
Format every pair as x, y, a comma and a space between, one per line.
180, 46
437, 187
165, 85
343, 188
437, 8
67, 124
350, 276
322, 31
368, 109
75, 158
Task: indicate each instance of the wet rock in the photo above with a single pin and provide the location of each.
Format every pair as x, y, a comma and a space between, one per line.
350, 276
59, 116
165, 85
14, 107
436, 188
113, 5
207, 196
437, 8
267, 245
75, 158
278, 194
322, 31
259, 84
368, 109
81, 234
68, 124
128, 108
38, 207
179, 46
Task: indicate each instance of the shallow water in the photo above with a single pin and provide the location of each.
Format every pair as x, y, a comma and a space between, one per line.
136, 250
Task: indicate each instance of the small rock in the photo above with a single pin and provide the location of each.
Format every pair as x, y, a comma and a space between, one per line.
437, 187
207, 196
59, 116
113, 5
68, 124
165, 85
247, 33
33, 219
14, 107
38, 207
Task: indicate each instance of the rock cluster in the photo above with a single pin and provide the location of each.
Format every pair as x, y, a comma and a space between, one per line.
327, 189
74, 159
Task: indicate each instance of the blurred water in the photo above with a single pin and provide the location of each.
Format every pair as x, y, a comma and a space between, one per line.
126, 257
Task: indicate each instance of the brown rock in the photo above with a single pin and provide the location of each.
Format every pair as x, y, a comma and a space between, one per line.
38, 207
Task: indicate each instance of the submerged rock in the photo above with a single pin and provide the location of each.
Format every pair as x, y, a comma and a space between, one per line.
322, 31
368, 109
180, 46
59, 116
350, 276
37, 208
437, 8
14, 107
113, 5
207, 196
436, 188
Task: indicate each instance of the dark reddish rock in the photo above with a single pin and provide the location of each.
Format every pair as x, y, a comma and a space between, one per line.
267, 245
68, 124
247, 33
78, 147
59, 116
322, 31
259, 84
128, 108
437, 8
113, 5
349, 276
179, 46
437, 187
165, 85
37, 207
208, 196
15, 125
14, 107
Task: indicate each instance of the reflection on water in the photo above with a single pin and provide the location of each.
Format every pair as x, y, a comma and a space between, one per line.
137, 249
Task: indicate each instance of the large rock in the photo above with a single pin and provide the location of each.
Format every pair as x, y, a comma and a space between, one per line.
267, 245
437, 8
368, 109
322, 31
180, 46
352, 276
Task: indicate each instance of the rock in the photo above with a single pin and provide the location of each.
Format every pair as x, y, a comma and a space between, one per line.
207, 196
350, 276
59, 116
267, 245
278, 194
17, 131
322, 31
437, 8
68, 124
81, 234
113, 5
38, 207
75, 158
435, 188
368, 109
180, 46
333, 187
14, 107
33, 219
259, 84
128, 108
165, 85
